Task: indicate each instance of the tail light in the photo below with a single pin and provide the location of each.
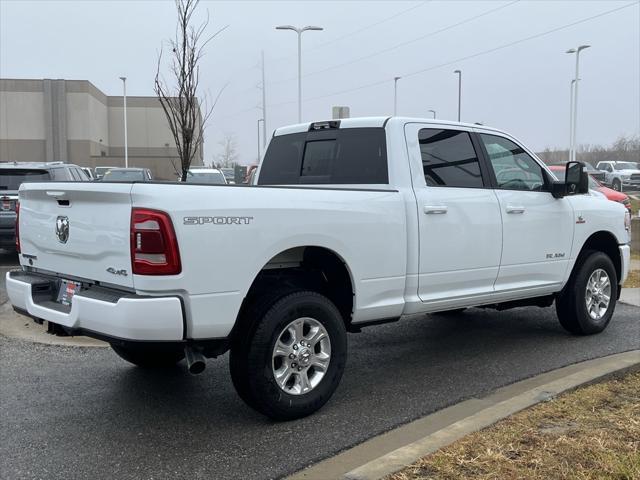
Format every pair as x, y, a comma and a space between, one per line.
17, 226
154, 246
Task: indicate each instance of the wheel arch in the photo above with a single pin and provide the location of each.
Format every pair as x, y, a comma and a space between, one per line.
606, 242
311, 267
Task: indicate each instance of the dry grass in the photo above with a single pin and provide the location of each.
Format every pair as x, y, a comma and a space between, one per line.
590, 433
633, 280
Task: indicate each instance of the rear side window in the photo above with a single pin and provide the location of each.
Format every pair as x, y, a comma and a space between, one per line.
339, 157
449, 159
11, 178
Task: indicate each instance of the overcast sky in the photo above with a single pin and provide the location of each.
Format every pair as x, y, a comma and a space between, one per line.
522, 88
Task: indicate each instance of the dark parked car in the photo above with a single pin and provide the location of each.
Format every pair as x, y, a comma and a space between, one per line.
13, 174
127, 175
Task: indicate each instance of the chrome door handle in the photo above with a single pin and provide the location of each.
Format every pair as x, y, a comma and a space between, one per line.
512, 209
435, 209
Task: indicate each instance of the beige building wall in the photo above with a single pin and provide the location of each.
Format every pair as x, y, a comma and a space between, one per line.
73, 121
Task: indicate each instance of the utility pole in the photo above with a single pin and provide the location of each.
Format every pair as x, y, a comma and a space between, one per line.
259, 120
459, 72
264, 109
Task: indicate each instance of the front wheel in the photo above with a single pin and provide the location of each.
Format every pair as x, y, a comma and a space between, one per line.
291, 363
617, 185
149, 356
587, 303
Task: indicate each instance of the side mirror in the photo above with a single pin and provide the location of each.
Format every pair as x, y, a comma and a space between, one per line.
576, 178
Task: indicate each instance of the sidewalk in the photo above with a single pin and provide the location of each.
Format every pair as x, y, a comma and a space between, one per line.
630, 296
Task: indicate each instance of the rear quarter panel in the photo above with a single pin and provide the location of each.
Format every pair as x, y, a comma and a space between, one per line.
220, 259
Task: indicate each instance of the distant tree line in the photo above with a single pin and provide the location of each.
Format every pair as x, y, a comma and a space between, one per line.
624, 149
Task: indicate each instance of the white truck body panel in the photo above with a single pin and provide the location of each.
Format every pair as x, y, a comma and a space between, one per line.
401, 257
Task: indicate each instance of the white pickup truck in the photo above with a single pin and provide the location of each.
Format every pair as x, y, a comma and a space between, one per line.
351, 223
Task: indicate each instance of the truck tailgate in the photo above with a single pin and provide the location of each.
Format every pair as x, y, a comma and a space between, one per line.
80, 229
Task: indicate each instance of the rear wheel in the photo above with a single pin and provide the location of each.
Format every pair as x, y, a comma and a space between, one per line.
292, 361
149, 356
586, 305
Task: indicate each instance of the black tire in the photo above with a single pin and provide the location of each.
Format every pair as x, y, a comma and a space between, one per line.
571, 305
150, 356
617, 185
251, 360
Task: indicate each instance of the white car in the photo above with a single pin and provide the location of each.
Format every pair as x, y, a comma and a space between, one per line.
350, 223
206, 176
620, 175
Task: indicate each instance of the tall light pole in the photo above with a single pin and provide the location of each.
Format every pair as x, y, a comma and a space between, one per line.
573, 82
264, 111
434, 113
575, 97
259, 120
124, 96
459, 72
299, 31
395, 95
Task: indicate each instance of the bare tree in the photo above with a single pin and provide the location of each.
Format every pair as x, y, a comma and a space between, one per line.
186, 114
228, 157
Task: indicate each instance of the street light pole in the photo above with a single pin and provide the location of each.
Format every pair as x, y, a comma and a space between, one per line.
575, 97
126, 149
434, 113
395, 95
299, 31
573, 82
259, 120
459, 72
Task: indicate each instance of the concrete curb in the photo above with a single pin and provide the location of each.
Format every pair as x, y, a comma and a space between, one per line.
14, 325
392, 451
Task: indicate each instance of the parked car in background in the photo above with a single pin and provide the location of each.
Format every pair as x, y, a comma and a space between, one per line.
89, 173
620, 175
613, 195
100, 171
251, 173
127, 175
14, 174
207, 176
229, 174
590, 169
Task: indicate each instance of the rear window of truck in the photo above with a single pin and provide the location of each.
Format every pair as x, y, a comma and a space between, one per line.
11, 178
333, 156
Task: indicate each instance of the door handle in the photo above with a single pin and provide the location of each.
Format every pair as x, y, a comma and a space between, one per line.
435, 209
513, 209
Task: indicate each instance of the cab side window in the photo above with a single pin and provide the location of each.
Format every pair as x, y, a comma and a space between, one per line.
449, 159
514, 168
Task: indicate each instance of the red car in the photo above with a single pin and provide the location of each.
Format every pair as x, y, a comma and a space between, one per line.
613, 195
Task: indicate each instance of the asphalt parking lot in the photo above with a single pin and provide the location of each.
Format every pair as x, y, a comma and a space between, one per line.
83, 413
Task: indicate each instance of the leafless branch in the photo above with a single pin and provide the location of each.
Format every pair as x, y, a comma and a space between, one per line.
186, 114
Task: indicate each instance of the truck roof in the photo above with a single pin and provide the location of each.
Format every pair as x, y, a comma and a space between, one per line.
373, 122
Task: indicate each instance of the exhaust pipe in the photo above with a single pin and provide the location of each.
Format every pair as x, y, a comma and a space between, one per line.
195, 360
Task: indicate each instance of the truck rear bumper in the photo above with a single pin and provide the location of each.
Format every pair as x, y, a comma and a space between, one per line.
98, 311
